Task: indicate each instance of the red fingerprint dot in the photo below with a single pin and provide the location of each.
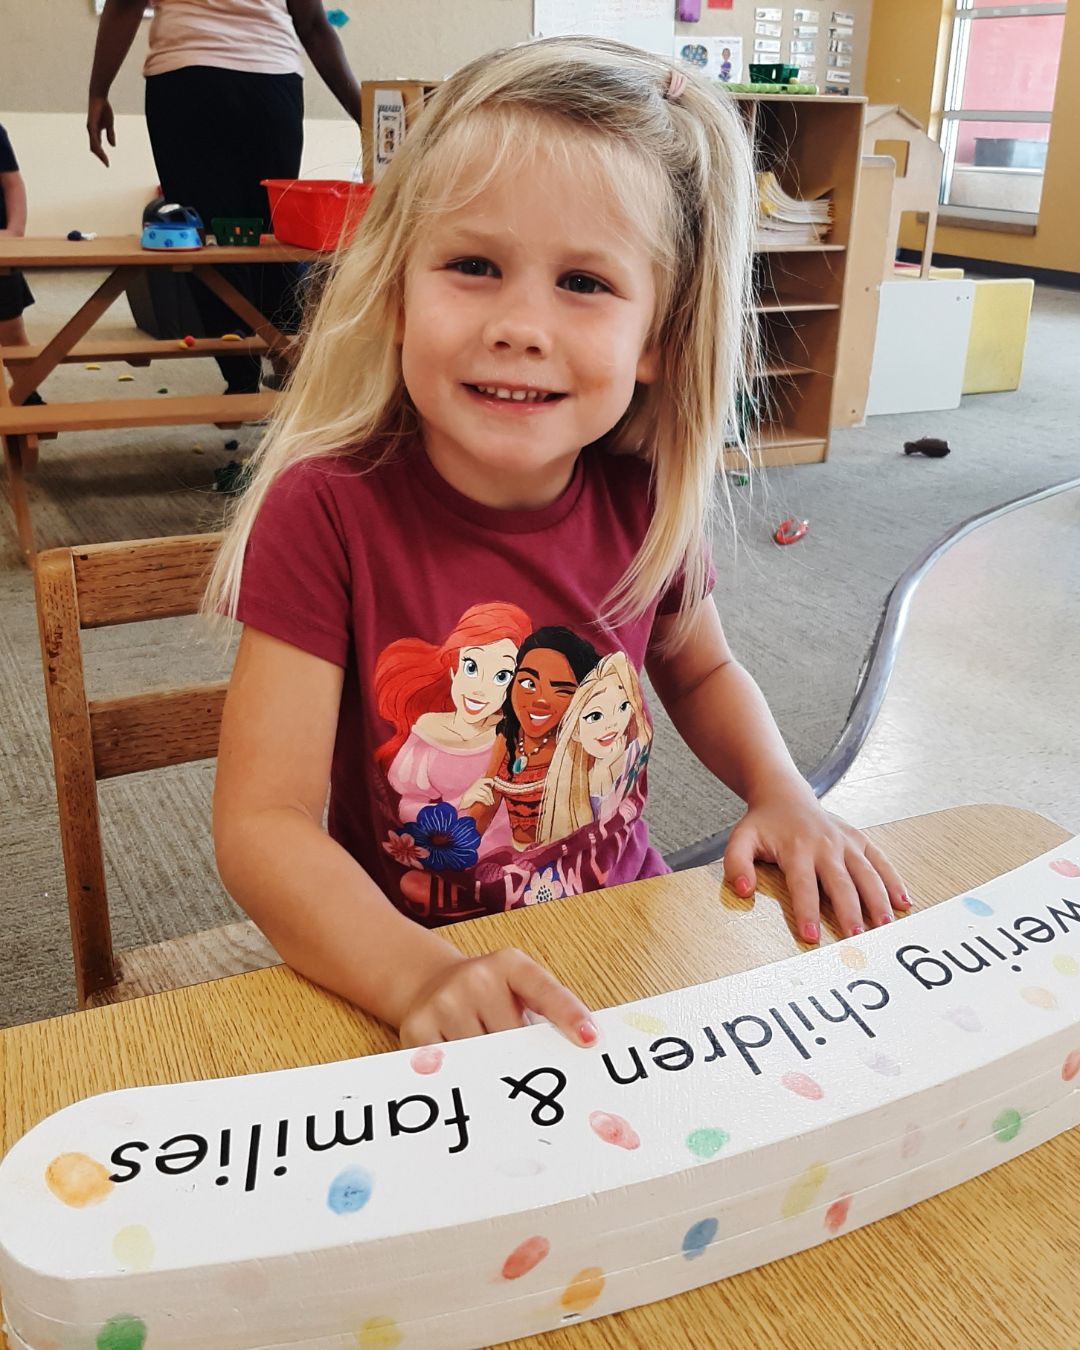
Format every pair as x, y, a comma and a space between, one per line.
524, 1257
427, 1060
614, 1130
803, 1085
1071, 1067
1065, 867
836, 1214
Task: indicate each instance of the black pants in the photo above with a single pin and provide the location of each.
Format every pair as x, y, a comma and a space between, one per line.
215, 134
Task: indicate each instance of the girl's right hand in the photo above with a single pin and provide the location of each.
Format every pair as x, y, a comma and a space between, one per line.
491, 993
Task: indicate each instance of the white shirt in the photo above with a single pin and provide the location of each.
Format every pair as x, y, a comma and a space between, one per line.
254, 35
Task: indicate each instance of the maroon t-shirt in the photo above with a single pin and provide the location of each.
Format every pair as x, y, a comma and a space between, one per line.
492, 736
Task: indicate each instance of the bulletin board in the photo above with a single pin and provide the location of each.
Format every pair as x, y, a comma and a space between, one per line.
642, 23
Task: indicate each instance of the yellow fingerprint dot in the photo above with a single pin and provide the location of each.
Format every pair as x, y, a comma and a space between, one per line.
133, 1247
852, 957
802, 1193
644, 1022
1066, 965
378, 1331
583, 1290
77, 1180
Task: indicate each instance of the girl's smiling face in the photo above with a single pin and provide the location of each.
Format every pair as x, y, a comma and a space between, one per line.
543, 686
602, 723
478, 686
527, 314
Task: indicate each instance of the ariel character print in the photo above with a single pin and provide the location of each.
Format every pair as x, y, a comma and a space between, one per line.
602, 744
444, 703
551, 663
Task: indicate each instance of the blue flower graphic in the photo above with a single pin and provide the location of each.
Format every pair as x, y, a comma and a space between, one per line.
452, 841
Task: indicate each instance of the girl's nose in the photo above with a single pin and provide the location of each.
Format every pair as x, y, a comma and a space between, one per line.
518, 326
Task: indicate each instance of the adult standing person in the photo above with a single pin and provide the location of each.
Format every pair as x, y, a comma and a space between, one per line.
224, 110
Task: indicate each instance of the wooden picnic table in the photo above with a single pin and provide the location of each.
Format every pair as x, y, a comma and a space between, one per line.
124, 260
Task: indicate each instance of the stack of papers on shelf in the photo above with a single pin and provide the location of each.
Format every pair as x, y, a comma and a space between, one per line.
783, 219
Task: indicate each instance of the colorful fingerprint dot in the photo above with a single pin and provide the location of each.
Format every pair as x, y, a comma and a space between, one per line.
1007, 1125
803, 1086
1066, 965
427, 1060
643, 1022
122, 1333
1065, 867
77, 1180
853, 957
911, 1142
1071, 1067
802, 1194
613, 1129
525, 1257
350, 1190
378, 1331
583, 1290
882, 1064
698, 1236
967, 1019
836, 1214
1039, 998
519, 1167
706, 1143
133, 1247
973, 904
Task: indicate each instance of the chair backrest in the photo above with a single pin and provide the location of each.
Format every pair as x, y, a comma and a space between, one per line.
95, 587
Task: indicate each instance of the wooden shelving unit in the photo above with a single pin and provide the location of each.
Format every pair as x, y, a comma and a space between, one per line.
813, 145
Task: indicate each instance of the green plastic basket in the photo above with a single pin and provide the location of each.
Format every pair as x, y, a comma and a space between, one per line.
237, 231
773, 74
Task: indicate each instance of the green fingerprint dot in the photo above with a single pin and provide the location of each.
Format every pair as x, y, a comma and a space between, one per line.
122, 1333
704, 1143
1007, 1125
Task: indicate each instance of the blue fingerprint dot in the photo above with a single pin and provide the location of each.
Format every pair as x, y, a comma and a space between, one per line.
350, 1190
977, 906
698, 1238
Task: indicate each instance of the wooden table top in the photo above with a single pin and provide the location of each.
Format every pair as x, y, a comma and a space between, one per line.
991, 1263
124, 250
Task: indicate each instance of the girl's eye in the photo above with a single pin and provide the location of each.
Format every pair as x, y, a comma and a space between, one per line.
580, 283
592, 716
503, 678
470, 667
527, 682
474, 267
624, 705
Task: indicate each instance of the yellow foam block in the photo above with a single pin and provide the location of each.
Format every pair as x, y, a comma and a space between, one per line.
999, 323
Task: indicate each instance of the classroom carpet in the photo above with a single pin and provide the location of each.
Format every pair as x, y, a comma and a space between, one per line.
801, 618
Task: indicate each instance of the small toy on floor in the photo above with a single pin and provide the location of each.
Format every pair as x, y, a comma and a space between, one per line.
931, 446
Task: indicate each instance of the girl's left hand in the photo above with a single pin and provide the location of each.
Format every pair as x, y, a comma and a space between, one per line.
812, 848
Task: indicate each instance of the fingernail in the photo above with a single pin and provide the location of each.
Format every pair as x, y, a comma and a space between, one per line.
743, 885
811, 932
588, 1032
857, 930
904, 901
885, 918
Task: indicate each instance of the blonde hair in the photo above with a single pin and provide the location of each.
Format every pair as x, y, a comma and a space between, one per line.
567, 804
681, 169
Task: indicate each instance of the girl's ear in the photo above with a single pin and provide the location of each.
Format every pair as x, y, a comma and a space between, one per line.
399, 326
648, 366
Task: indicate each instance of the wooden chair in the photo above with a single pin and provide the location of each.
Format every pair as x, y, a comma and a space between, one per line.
95, 587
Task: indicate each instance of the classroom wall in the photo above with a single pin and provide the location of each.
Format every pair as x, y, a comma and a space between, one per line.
47, 47
905, 39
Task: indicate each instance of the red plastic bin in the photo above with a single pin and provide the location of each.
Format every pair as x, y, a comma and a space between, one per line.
315, 213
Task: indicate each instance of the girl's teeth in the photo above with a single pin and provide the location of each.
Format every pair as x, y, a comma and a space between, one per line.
513, 395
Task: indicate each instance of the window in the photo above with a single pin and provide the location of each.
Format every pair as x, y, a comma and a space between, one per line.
999, 92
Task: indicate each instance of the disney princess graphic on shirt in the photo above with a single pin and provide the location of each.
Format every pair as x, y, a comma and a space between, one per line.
500, 753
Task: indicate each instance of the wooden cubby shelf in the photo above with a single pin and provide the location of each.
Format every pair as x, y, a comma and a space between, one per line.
813, 145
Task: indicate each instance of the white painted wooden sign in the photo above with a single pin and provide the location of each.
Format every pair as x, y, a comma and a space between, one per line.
503, 1186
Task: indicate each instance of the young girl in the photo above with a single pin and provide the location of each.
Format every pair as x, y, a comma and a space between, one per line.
514, 393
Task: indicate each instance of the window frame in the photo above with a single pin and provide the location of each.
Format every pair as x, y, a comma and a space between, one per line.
950, 118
